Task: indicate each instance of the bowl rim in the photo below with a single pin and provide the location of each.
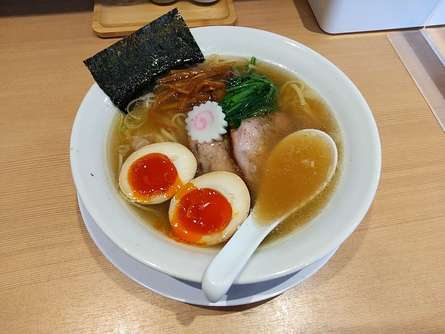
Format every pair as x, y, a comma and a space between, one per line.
335, 241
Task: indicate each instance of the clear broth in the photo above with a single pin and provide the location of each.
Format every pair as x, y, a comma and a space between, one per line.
320, 118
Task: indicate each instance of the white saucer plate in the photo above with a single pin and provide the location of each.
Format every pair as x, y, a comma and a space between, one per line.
190, 292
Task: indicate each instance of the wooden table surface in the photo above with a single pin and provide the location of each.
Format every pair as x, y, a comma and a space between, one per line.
388, 277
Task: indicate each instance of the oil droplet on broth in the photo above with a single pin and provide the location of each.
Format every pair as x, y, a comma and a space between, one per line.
293, 174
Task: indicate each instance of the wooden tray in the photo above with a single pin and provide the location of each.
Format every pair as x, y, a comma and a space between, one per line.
114, 19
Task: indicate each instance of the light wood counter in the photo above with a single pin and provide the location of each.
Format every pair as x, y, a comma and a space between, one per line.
388, 277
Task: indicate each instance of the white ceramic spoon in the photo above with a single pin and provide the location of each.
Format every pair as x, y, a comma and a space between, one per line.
276, 201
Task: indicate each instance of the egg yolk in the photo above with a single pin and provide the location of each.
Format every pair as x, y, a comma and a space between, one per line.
200, 212
153, 174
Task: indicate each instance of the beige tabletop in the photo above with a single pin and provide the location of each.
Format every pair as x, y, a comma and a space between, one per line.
388, 277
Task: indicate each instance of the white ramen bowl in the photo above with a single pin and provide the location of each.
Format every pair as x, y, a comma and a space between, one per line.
344, 211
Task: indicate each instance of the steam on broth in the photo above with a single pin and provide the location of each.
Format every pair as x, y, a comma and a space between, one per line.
160, 116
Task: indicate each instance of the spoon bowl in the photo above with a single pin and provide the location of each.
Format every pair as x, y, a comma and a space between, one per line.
297, 170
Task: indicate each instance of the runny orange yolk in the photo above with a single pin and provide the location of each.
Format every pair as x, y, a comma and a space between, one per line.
153, 174
200, 212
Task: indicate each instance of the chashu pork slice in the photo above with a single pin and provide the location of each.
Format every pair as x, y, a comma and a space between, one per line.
253, 141
214, 156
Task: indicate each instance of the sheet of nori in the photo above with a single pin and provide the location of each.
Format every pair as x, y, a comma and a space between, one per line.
129, 67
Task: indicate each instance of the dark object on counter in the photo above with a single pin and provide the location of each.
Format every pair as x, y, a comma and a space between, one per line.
129, 67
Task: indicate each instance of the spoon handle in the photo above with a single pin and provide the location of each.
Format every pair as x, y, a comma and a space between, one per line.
228, 263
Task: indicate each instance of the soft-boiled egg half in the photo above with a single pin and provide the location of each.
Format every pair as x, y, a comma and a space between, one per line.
154, 173
208, 210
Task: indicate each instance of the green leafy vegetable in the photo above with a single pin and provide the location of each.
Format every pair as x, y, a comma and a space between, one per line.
248, 95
